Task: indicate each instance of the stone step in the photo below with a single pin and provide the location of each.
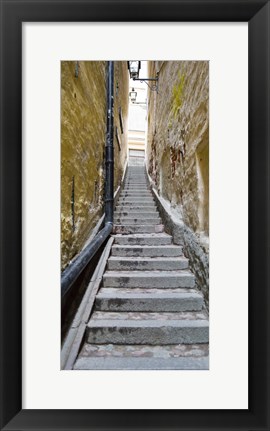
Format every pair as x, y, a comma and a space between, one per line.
127, 300
137, 200
139, 239
136, 194
149, 316
116, 263
136, 184
136, 214
139, 220
122, 363
132, 187
132, 228
144, 195
154, 331
137, 191
149, 279
147, 351
134, 190
140, 363
130, 202
146, 250
137, 207
136, 180
151, 290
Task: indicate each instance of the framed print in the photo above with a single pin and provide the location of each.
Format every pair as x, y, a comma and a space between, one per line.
42, 41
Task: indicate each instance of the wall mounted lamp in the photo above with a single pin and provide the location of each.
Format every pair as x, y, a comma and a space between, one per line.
134, 71
133, 95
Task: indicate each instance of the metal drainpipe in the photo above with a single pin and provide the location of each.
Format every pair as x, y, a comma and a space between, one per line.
109, 147
72, 272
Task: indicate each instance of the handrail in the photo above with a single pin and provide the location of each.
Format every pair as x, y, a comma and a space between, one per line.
72, 272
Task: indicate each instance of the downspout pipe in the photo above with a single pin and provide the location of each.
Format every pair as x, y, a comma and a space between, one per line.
72, 272
109, 156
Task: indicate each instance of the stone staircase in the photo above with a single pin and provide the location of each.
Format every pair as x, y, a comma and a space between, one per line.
147, 313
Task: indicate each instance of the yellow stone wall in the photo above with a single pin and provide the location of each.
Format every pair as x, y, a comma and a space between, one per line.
121, 100
83, 136
178, 142
178, 156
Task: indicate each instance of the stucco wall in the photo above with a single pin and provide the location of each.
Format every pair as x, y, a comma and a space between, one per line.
178, 150
83, 131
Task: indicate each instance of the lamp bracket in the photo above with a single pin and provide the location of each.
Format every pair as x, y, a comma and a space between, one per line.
152, 87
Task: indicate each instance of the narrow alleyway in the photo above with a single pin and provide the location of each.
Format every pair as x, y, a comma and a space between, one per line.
147, 313
135, 215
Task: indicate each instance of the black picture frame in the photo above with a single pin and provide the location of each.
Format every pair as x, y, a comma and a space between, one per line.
13, 14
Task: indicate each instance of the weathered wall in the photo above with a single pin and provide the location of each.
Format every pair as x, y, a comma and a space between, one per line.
121, 102
83, 132
178, 151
